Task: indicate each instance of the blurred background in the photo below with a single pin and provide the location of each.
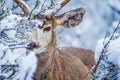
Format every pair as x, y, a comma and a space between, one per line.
101, 17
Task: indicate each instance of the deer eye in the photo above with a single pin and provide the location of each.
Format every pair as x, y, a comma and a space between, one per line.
47, 28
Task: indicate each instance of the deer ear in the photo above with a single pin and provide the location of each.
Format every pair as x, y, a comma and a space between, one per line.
71, 18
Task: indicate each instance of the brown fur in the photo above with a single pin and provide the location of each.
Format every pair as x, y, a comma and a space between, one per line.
60, 64
65, 64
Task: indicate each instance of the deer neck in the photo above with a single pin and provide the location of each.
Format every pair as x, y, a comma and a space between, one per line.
48, 68
53, 42
50, 48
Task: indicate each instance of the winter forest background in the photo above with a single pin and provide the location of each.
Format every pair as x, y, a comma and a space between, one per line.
101, 17
99, 31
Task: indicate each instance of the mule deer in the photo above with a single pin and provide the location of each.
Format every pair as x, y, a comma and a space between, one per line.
58, 63
61, 63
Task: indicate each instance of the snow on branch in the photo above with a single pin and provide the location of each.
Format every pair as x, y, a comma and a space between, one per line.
3, 10
106, 55
106, 46
14, 54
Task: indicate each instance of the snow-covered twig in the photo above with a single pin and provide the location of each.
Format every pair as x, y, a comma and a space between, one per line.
104, 48
36, 5
61, 6
3, 10
42, 8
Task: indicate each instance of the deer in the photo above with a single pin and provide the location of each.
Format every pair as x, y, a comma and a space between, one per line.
57, 63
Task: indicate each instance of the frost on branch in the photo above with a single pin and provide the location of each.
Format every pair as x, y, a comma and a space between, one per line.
15, 58
3, 10
16, 61
107, 57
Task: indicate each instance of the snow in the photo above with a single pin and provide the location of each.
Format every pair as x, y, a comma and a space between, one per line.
99, 48
89, 30
114, 3
9, 21
98, 20
28, 67
13, 52
113, 53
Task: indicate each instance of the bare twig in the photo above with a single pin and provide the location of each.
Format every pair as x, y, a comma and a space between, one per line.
51, 5
42, 7
36, 5
116, 10
62, 5
14, 6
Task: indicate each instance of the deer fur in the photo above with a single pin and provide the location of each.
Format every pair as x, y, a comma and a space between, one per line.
67, 64
63, 64
56, 63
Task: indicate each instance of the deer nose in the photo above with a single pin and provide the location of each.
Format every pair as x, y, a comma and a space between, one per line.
31, 46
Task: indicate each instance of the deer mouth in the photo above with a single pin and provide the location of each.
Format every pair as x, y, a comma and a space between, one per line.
32, 46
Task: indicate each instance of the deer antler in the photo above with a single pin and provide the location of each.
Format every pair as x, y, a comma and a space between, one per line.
62, 5
23, 6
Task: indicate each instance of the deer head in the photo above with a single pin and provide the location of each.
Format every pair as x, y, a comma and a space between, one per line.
46, 32
39, 32
43, 36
